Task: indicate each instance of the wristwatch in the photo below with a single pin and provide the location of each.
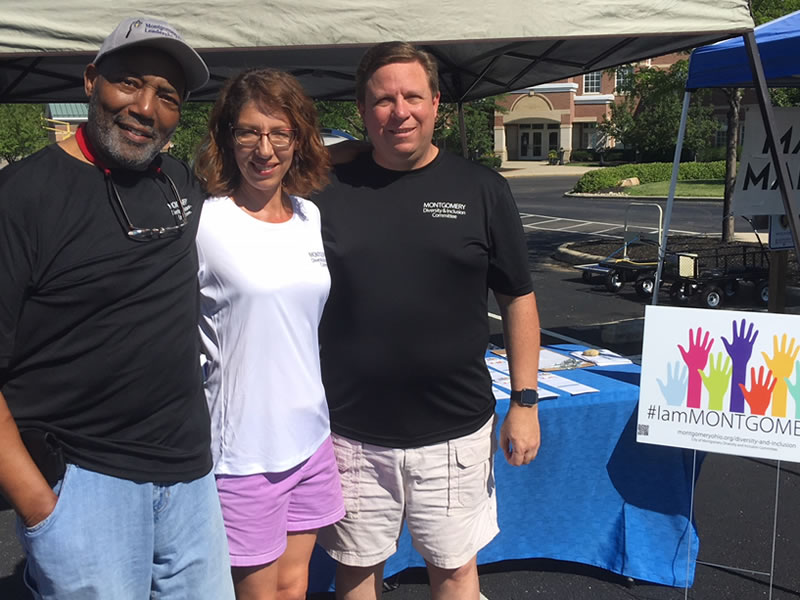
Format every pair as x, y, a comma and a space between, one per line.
525, 397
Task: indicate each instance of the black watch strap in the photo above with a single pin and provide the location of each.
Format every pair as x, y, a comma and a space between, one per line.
525, 397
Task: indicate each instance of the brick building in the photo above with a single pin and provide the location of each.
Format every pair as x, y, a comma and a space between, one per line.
561, 115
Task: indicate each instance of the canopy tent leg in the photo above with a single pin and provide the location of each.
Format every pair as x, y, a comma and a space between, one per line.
673, 182
781, 167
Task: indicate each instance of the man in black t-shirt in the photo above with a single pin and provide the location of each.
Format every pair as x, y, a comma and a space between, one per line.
103, 422
414, 238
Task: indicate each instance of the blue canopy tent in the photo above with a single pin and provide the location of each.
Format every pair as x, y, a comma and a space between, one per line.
767, 56
726, 64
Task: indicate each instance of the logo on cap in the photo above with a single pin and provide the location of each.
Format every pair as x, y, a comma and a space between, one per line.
130, 29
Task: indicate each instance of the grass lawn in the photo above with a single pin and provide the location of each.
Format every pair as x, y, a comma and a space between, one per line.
704, 188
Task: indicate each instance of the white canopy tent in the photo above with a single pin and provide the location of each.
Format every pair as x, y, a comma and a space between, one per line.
483, 47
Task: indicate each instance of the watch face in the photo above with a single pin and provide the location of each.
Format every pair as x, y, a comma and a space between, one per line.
526, 397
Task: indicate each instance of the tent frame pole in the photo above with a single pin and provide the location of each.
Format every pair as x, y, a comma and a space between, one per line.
767, 115
673, 182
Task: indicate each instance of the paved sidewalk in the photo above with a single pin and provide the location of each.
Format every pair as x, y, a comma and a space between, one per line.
533, 168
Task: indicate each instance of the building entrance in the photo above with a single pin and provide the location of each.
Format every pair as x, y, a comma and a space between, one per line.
536, 139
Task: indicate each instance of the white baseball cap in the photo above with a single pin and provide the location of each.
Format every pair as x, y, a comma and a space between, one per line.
143, 31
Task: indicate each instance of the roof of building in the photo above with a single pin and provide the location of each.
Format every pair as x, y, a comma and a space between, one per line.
68, 111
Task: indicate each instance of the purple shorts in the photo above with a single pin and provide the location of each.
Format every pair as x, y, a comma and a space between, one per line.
259, 510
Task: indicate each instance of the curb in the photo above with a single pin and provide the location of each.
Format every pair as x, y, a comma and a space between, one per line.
575, 257
653, 198
515, 173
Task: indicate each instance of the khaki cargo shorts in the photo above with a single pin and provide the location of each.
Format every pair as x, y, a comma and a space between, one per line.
445, 492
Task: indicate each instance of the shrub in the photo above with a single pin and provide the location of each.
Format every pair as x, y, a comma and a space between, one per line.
714, 154
619, 155
581, 156
490, 160
609, 177
711, 154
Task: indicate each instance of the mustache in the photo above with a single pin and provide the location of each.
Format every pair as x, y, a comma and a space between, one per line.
139, 127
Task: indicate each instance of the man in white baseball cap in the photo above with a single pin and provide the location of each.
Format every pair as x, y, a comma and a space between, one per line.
103, 420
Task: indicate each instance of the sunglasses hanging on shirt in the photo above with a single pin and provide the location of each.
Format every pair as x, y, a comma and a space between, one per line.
140, 234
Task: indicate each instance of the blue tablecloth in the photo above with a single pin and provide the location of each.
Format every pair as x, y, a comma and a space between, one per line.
593, 495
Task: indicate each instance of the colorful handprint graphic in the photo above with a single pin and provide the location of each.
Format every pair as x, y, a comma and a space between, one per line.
674, 390
717, 381
695, 358
794, 389
739, 349
758, 396
781, 364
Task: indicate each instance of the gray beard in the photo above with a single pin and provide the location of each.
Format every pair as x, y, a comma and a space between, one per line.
111, 147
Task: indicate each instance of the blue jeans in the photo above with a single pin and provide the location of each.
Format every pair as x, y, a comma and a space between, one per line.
113, 538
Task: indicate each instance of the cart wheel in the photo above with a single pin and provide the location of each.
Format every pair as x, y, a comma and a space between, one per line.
711, 296
644, 286
679, 292
731, 288
762, 292
614, 281
586, 276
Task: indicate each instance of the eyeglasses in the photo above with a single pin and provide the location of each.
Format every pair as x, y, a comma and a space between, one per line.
143, 234
250, 138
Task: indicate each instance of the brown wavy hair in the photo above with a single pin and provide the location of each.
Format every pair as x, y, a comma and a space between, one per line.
270, 90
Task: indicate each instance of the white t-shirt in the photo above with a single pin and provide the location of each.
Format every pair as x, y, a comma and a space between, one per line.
262, 290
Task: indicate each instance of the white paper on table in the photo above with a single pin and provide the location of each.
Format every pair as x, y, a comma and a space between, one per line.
604, 359
499, 394
502, 380
553, 361
563, 384
497, 363
545, 394
499, 377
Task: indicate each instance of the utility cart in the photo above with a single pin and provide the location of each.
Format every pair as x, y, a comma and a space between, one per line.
618, 268
712, 275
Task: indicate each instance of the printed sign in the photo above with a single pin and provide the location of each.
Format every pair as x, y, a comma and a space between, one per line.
780, 235
721, 381
756, 191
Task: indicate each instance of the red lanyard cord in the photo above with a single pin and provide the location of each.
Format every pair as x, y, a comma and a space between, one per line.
134, 232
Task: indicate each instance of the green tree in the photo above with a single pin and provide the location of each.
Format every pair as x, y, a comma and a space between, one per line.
769, 10
647, 117
734, 98
191, 130
621, 125
340, 114
22, 130
478, 124
785, 96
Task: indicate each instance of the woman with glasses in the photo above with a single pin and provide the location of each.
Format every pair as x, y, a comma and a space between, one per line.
264, 282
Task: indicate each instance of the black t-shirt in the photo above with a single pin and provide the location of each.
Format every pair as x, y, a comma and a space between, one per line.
98, 332
405, 329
